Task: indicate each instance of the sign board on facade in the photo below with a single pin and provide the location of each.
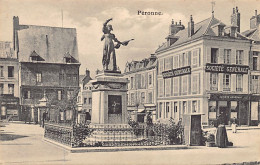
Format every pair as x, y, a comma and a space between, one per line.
177, 72
224, 68
235, 97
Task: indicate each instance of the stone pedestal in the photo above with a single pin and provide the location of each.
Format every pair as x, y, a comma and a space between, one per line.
109, 98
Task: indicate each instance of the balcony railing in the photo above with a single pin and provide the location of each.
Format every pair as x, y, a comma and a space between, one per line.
213, 88
255, 89
226, 89
239, 89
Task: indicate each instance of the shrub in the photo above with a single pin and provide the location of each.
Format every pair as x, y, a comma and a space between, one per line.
80, 132
135, 126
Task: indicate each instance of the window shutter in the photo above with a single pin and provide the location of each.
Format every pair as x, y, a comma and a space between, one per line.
245, 82
221, 56
189, 106
199, 106
189, 58
233, 79
207, 81
189, 84
208, 50
146, 80
233, 56
199, 83
220, 81
199, 55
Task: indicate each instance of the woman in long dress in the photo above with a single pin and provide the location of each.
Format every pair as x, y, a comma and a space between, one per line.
109, 55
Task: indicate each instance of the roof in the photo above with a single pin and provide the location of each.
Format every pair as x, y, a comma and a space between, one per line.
203, 28
253, 34
50, 43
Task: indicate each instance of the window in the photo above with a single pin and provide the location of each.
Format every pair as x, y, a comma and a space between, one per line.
195, 58
70, 94
214, 81
132, 98
11, 89
167, 109
38, 77
10, 71
142, 98
1, 71
90, 101
27, 94
212, 110
175, 107
214, 55
168, 87
239, 56
227, 55
150, 79
161, 86
1, 89
226, 82
234, 109
85, 100
176, 86
184, 106
176, 62
239, 82
7, 45
168, 63
194, 106
59, 95
150, 97
255, 87
188, 59
143, 81
255, 63
132, 82
160, 66
184, 84
75, 78
195, 84
181, 59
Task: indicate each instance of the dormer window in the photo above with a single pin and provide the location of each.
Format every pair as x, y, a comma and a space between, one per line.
69, 59
35, 57
220, 30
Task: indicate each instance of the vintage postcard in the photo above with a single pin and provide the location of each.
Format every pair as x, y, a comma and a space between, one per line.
129, 82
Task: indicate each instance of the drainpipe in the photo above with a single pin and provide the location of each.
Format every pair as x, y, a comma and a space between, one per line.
249, 83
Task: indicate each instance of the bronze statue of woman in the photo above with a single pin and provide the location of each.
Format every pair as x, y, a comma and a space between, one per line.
109, 55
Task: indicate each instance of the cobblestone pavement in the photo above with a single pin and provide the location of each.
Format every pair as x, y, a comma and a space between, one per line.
23, 144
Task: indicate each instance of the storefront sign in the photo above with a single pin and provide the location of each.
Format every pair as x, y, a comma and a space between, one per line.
228, 97
177, 72
223, 68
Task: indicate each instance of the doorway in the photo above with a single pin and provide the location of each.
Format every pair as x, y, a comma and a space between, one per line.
223, 115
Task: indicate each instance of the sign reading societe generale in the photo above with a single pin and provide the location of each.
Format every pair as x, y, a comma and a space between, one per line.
177, 72
224, 68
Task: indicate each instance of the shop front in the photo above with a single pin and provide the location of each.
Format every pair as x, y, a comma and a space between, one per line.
9, 106
228, 108
255, 110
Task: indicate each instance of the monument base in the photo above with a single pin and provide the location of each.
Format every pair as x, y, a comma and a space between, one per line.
109, 98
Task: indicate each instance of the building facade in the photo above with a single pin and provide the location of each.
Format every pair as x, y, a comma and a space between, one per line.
204, 69
85, 98
9, 94
141, 92
48, 66
254, 62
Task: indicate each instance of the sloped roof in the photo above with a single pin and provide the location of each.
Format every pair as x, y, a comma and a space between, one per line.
50, 43
253, 34
202, 28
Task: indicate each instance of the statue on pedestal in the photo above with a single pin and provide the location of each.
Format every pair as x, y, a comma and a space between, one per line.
109, 55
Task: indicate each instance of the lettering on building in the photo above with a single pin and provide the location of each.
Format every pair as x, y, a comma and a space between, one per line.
223, 68
177, 72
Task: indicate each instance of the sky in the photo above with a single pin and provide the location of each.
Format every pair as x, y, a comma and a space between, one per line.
88, 16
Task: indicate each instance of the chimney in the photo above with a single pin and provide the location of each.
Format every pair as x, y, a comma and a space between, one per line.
235, 18
15, 28
191, 27
173, 29
255, 21
87, 73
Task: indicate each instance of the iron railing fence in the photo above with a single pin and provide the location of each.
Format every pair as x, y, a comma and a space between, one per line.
115, 135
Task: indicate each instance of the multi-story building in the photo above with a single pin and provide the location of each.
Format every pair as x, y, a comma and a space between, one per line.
48, 64
141, 87
85, 98
9, 94
254, 62
204, 69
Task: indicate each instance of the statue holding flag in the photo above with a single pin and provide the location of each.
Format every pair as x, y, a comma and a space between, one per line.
109, 55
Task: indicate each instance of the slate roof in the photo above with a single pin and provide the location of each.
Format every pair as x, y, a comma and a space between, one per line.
253, 34
50, 43
202, 28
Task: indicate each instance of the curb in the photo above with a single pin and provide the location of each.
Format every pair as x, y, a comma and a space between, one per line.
116, 149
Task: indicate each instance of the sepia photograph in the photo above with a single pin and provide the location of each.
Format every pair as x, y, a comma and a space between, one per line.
119, 82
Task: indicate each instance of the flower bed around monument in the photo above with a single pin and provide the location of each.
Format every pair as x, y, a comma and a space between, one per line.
115, 135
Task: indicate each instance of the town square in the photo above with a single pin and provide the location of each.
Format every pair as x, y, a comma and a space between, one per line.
120, 82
